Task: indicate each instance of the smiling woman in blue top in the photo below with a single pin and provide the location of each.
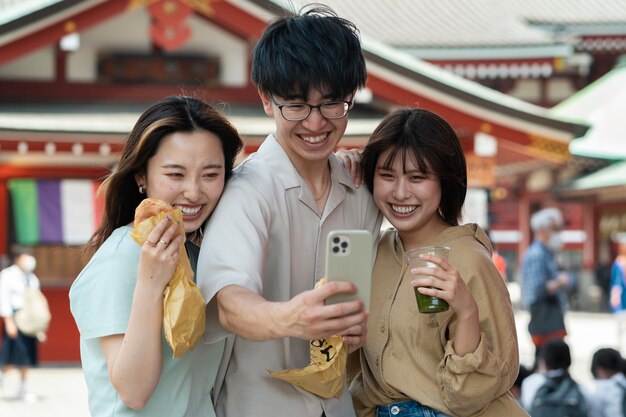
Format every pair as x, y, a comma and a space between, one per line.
181, 151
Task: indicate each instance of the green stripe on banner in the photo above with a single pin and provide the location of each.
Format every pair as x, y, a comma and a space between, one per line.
25, 210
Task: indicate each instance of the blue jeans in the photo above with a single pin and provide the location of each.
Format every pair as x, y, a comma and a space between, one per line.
407, 409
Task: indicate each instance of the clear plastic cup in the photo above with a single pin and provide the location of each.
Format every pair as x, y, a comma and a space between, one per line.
427, 303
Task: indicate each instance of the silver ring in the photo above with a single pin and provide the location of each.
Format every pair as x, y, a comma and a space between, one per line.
163, 242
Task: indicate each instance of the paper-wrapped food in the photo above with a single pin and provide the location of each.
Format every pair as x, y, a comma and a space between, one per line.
325, 375
183, 304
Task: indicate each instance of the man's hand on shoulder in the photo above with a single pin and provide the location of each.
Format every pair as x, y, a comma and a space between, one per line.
351, 159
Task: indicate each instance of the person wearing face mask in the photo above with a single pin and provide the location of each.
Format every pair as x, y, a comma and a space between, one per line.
18, 350
543, 285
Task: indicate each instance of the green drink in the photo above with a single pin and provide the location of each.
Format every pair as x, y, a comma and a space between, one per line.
426, 303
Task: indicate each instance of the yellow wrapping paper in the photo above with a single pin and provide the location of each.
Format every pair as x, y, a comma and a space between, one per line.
326, 373
183, 304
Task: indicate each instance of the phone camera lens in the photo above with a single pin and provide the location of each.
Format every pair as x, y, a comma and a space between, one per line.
344, 244
335, 249
336, 239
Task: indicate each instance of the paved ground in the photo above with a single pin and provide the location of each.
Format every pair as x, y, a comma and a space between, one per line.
63, 393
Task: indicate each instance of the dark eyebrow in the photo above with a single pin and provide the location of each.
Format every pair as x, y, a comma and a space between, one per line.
208, 166
410, 172
212, 166
176, 166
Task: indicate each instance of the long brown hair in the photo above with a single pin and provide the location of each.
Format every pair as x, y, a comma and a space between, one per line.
170, 115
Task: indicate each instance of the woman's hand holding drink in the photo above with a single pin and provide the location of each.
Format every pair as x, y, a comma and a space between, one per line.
427, 303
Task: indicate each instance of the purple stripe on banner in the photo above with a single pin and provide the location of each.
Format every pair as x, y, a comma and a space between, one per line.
50, 223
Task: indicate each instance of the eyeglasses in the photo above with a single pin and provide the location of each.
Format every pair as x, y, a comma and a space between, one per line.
300, 111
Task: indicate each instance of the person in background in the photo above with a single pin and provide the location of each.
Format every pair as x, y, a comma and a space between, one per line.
276, 214
607, 367
181, 151
543, 286
18, 350
552, 372
460, 362
606, 255
500, 264
498, 259
617, 294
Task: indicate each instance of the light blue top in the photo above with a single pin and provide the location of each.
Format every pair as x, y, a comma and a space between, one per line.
100, 300
608, 396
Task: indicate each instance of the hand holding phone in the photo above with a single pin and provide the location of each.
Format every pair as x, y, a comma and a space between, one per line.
349, 258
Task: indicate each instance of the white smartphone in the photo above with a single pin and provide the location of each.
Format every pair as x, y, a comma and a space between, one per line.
349, 258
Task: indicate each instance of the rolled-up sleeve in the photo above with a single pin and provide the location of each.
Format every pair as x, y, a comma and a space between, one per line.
470, 383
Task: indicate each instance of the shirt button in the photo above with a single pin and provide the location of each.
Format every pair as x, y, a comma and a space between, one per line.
377, 362
382, 329
395, 410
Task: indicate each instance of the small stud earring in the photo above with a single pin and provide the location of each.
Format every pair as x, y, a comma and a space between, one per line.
141, 189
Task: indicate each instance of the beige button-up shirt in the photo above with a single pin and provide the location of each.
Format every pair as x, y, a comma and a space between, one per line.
410, 356
268, 235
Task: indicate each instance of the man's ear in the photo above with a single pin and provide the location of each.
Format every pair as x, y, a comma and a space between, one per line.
267, 103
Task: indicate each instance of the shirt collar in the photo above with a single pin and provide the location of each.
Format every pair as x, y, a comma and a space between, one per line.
276, 157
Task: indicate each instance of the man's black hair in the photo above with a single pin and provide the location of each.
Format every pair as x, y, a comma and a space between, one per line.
315, 49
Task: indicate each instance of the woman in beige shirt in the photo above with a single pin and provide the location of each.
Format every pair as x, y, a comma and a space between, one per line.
461, 362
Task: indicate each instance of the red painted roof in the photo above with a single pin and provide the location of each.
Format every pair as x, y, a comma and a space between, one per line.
394, 77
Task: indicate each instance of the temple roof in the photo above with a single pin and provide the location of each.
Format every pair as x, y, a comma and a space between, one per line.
476, 23
394, 78
428, 24
15, 9
601, 105
607, 183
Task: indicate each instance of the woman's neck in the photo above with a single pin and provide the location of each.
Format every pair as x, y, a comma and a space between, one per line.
415, 238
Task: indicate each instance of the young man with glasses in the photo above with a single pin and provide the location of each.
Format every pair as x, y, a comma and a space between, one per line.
264, 248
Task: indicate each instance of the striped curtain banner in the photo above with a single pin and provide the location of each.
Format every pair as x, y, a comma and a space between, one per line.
55, 211
24, 202
50, 209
